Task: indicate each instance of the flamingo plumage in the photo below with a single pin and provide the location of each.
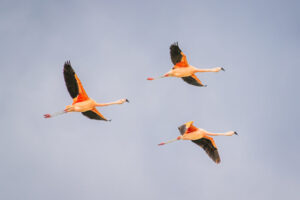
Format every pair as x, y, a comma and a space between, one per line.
81, 102
202, 138
182, 69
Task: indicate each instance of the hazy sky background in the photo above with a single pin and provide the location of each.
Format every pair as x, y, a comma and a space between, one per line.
113, 47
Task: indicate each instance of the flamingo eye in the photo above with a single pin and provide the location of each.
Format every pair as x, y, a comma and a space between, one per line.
173, 68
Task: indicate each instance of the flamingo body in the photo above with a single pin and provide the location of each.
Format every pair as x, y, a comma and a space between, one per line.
81, 106
81, 102
182, 69
200, 137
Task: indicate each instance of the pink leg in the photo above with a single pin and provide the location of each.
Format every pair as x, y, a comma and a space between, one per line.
47, 115
55, 114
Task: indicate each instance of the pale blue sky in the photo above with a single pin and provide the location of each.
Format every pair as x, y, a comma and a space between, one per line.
114, 46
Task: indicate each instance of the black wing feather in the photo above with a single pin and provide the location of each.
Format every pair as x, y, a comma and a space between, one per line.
192, 81
209, 148
175, 53
182, 129
70, 80
92, 115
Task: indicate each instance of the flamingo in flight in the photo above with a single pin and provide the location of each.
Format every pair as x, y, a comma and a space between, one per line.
200, 137
183, 70
81, 102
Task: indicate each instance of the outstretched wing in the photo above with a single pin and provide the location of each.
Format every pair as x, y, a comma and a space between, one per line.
193, 80
177, 56
73, 84
94, 114
70, 80
209, 146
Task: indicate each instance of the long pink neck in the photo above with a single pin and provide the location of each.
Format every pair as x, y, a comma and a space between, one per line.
106, 104
229, 133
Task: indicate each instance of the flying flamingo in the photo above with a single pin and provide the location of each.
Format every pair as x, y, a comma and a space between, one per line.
183, 70
200, 137
81, 102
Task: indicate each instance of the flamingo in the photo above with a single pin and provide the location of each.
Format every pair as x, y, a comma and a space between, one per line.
81, 102
200, 137
183, 70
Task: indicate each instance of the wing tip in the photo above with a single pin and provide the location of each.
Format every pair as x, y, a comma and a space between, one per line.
68, 62
174, 45
193, 81
182, 129
94, 115
216, 157
218, 161
70, 79
68, 66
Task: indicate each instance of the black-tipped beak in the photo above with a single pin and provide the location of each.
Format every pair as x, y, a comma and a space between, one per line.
222, 69
127, 100
236, 133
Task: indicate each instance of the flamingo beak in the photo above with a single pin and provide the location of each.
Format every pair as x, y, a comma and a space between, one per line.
236, 133
222, 69
127, 100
